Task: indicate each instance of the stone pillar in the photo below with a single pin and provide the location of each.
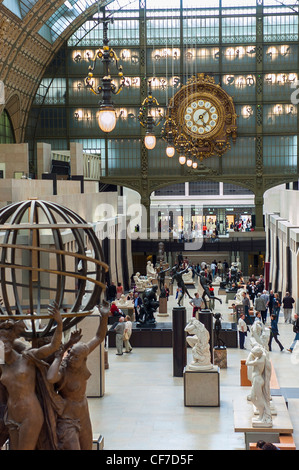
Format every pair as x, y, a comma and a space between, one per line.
205, 316
76, 158
96, 359
162, 307
179, 344
43, 152
259, 220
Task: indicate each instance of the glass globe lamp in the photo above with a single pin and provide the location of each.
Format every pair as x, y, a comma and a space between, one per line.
150, 141
107, 119
170, 150
182, 159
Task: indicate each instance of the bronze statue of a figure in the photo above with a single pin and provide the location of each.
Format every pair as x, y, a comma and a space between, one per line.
149, 306
205, 284
24, 416
161, 277
35, 414
217, 327
177, 276
70, 375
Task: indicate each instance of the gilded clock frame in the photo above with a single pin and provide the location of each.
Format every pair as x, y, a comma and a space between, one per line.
217, 141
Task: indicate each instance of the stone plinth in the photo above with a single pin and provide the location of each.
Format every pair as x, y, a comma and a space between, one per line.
202, 387
244, 412
230, 295
245, 382
162, 307
220, 357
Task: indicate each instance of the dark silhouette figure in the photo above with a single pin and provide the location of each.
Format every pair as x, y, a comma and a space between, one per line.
205, 284
178, 277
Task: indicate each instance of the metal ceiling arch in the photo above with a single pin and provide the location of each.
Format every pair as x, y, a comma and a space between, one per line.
25, 54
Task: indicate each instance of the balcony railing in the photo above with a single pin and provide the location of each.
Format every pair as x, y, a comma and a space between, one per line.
91, 163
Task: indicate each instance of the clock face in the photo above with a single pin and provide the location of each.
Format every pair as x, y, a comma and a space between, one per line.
201, 117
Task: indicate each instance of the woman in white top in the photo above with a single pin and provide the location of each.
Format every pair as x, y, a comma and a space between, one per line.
127, 334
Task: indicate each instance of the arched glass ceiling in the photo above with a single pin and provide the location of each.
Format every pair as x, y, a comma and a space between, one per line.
70, 10
19, 7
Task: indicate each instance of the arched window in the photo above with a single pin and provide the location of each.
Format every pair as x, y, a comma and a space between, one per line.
6, 129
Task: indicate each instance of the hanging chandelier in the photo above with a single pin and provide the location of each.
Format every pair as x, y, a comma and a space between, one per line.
149, 117
107, 88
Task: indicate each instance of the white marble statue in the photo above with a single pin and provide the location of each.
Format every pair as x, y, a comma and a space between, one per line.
260, 334
187, 277
151, 273
122, 302
141, 283
260, 379
239, 296
260, 337
199, 342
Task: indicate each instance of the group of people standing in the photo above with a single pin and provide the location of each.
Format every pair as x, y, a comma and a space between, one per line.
262, 303
123, 332
114, 292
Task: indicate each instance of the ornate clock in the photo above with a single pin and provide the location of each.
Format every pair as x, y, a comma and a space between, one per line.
201, 117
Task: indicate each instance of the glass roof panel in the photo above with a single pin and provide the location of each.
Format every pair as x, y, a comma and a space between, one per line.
19, 7
13, 6
70, 10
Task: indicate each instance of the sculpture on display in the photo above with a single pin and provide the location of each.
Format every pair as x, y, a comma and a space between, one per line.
239, 296
178, 277
161, 277
218, 327
60, 420
199, 342
148, 307
260, 335
205, 284
70, 376
233, 278
141, 282
161, 253
260, 379
123, 302
34, 414
18, 376
151, 273
259, 373
43, 271
187, 277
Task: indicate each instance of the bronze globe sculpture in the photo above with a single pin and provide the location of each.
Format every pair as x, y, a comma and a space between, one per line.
38, 267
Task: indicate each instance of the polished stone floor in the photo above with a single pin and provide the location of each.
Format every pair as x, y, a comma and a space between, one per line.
143, 406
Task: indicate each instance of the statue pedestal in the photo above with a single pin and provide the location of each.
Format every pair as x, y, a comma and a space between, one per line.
179, 345
202, 387
220, 357
243, 414
162, 307
230, 295
244, 381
